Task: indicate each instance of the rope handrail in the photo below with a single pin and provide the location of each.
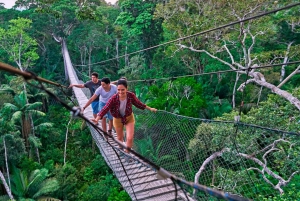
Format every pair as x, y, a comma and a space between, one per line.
27, 75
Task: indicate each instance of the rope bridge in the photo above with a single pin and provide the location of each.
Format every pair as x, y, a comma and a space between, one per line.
227, 156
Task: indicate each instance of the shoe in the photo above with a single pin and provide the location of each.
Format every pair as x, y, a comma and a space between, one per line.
109, 132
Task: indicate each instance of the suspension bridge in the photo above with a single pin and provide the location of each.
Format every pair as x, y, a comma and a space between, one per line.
183, 158
223, 159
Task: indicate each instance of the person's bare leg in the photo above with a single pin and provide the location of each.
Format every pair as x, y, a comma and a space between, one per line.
120, 134
129, 135
95, 115
103, 123
110, 124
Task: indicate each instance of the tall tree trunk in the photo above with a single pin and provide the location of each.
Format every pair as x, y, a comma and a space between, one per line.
117, 52
6, 186
90, 59
259, 94
285, 60
126, 56
25, 131
66, 141
6, 162
234, 89
106, 32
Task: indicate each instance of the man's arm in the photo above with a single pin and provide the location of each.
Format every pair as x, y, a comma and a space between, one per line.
77, 85
90, 101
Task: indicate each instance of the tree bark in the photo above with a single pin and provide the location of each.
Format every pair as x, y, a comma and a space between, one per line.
289, 77
6, 162
285, 60
66, 141
6, 186
207, 161
234, 89
90, 60
293, 100
259, 94
117, 52
126, 56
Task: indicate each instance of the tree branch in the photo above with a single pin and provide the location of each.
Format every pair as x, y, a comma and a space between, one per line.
207, 161
259, 79
289, 77
209, 54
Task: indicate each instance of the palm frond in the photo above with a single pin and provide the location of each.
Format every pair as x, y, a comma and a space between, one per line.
16, 116
37, 113
44, 125
18, 182
47, 199
10, 106
7, 91
35, 141
41, 94
48, 186
32, 106
35, 179
21, 99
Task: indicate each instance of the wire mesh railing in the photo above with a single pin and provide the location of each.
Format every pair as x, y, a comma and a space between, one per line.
247, 160
237, 158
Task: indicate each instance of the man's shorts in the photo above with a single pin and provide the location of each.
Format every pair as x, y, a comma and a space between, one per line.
95, 106
107, 115
117, 122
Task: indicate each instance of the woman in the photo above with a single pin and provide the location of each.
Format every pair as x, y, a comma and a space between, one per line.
120, 106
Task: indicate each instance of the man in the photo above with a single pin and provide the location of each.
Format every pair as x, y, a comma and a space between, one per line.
105, 91
92, 85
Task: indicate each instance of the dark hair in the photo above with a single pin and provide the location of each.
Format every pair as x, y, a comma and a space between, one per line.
95, 74
122, 82
106, 80
123, 78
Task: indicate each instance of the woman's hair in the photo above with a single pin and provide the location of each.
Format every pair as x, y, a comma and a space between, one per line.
123, 78
122, 82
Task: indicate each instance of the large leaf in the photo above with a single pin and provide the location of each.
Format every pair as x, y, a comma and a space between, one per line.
35, 179
11, 106
35, 141
16, 116
48, 186
35, 105
19, 182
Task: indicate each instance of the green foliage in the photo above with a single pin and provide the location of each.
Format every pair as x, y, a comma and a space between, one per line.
66, 176
106, 189
33, 185
182, 96
15, 148
291, 192
20, 47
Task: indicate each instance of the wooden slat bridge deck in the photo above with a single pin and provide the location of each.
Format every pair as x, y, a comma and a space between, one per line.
137, 178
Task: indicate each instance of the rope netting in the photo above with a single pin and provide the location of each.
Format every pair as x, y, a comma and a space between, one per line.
141, 178
243, 159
